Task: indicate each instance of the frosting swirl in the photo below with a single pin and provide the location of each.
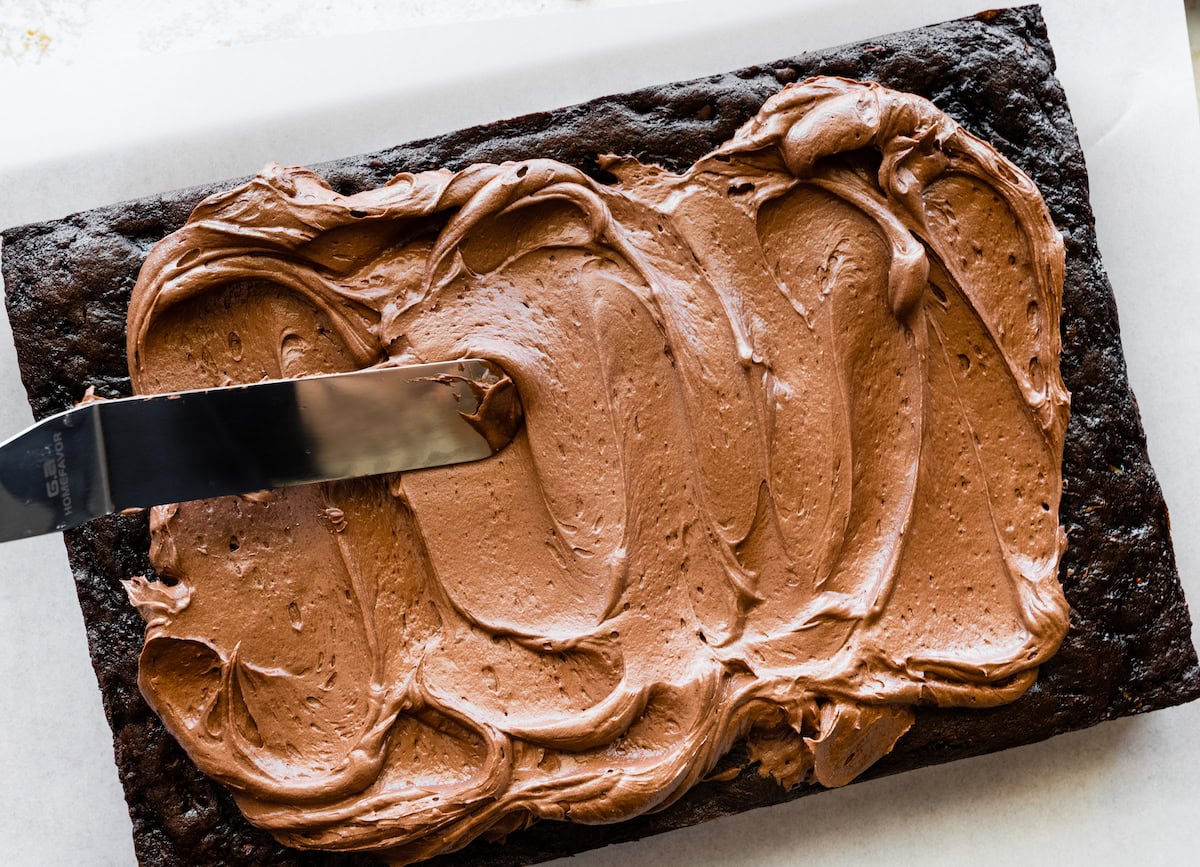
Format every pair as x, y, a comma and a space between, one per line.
791, 466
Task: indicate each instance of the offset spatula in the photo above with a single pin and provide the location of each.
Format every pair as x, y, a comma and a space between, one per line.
135, 452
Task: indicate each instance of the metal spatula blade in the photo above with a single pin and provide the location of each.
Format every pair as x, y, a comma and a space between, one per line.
143, 451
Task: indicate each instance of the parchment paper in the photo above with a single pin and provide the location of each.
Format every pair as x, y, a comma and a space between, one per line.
1124, 792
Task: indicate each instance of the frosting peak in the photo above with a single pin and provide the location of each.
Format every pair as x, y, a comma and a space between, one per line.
790, 467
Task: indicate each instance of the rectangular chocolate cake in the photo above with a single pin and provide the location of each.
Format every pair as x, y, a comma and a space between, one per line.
1127, 647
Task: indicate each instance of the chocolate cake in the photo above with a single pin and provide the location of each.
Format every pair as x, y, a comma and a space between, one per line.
1127, 646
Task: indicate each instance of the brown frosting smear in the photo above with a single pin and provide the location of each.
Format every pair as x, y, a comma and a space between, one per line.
790, 467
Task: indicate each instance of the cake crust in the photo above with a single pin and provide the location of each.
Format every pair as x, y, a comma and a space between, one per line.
1128, 648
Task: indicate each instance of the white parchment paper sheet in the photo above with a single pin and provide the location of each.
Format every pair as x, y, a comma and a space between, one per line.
88, 135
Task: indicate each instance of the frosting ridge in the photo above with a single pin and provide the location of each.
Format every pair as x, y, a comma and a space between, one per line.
791, 466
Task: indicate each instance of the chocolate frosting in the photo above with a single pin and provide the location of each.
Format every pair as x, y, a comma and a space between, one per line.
790, 467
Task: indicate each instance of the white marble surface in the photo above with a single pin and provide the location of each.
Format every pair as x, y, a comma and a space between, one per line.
69, 32
1123, 792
